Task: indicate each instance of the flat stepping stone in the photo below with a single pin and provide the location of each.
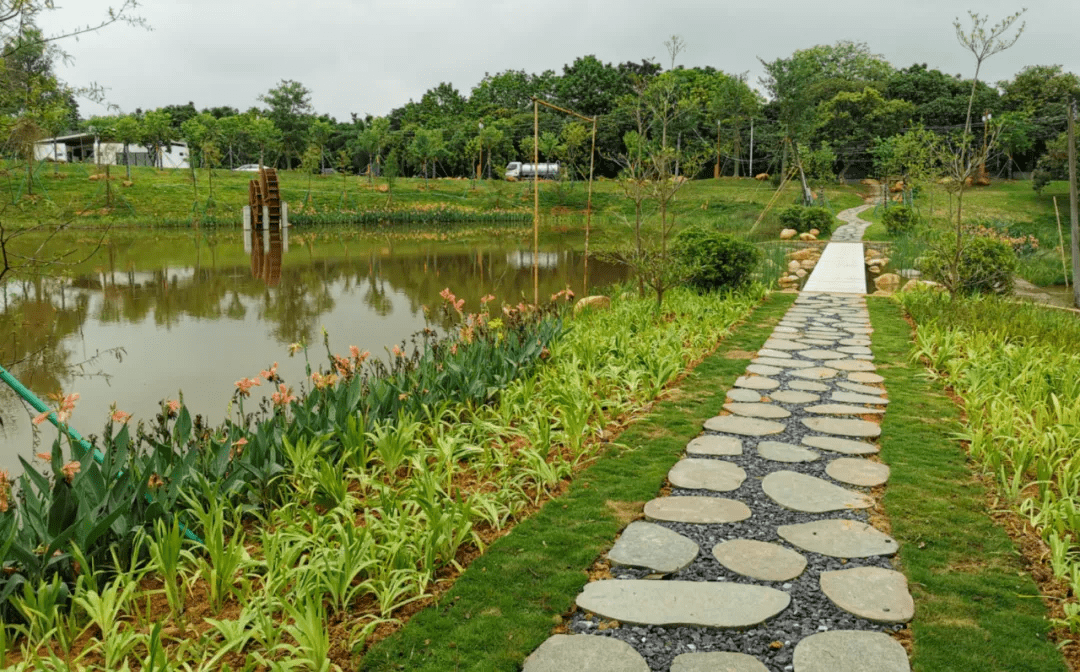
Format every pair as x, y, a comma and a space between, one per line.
704, 510
856, 471
808, 386
874, 593
784, 329
855, 350
793, 397
759, 559
860, 331
703, 474
777, 354
716, 661
838, 445
822, 354
560, 653
782, 363
817, 341
654, 547
865, 377
838, 538
814, 373
810, 494
850, 651
758, 410
843, 409
782, 344
709, 444
863, 429
785, 452
743, 394
737, 424
757, 383
860, 389
855, 398
764, 370
716, 605
852, 365
855, 341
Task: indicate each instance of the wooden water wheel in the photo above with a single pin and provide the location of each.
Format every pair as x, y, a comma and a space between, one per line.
264, 191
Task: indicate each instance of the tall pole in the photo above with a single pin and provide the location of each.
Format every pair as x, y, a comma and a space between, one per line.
536, 202
588, 210
716, 171
1074, 225
751, 146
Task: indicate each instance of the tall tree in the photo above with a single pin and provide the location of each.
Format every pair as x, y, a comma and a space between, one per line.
288, 105
158, 134
127, 130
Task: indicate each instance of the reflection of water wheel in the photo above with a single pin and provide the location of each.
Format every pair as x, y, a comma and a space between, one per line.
262, 192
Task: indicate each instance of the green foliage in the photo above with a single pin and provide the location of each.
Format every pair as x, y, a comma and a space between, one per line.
982, 266
714, 260
803, 218
900, 220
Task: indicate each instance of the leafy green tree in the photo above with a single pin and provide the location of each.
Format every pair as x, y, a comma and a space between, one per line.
128, 131
233, 130
940, 100
320, 133
426, 147
288, 106
266, 136
589, 86
733, 104
373, 140
854, 119
1040, 93
157, 134
202, 134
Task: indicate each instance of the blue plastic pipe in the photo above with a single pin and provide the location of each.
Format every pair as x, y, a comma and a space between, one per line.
40, 407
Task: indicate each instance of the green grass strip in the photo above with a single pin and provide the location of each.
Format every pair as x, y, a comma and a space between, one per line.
503, 606
976, 608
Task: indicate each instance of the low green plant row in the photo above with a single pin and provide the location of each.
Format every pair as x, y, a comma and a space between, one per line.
341, 519
1017, 369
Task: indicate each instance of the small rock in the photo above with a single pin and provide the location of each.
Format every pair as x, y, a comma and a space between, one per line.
593, 302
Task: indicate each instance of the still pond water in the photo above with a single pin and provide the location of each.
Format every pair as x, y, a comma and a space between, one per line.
153, 315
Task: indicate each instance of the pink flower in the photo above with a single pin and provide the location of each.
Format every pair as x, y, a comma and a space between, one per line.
396, 351
240, 443
486, 299
271, 373
43, 456
237, 447
294, 348
245, 385
120, 416
41, 417
70, 469
342, 365
322, 381
354, 352
447, 294
174, 406
283, 396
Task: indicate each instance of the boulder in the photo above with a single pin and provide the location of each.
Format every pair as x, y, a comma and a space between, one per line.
869, 182
805, 253
807, 236
808, 264
793, 266
983, 181
788, 233
594, 302
897, 188
889, 282
800, 273
815, 232
761, 177
874, 269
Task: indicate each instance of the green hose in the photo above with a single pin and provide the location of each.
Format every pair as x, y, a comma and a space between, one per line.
40, 407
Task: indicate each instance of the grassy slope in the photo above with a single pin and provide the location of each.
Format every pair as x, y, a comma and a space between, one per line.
976, 608
167, 195
503, 607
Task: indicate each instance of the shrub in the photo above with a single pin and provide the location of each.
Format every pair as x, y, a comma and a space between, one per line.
986, 266
900, 220
802, 219
715, 260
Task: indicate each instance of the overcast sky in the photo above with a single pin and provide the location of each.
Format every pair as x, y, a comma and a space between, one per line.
370, 56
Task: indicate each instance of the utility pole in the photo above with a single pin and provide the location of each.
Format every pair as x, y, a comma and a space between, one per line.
751, 146
716, 171
1074, 225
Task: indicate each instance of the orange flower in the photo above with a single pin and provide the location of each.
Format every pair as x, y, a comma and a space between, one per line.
283, 396
70, 469
120, 416
41, 417
174, 405
396, 351
43, 456
354, 352
271, 373
154, 482
245, 385
294, 348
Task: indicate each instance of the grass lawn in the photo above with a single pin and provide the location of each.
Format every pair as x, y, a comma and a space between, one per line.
976, 607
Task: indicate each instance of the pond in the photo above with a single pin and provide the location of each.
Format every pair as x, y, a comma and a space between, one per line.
151, 314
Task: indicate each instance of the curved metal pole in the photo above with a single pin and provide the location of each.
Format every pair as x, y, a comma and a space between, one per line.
536, 202
588, 209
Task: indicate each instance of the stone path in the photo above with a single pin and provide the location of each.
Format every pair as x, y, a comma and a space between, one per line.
784, 571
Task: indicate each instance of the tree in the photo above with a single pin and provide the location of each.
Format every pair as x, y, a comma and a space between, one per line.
128, 131
157, 135
733, 104
589, 86
372, 140
289, 108
233, 130
798, 84
320, 133
426, 147
853, 119
266, 136
202, 134
1039, 92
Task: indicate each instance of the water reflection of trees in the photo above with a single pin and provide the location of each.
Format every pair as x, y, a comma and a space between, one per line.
37, 315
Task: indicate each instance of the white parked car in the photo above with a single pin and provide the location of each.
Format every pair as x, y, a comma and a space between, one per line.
248, 168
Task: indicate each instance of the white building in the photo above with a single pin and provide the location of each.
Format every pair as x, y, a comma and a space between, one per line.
86, 148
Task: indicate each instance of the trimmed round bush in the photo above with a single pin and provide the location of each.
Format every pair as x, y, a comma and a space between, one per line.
900, 220
986, 266
715, 260
802, 219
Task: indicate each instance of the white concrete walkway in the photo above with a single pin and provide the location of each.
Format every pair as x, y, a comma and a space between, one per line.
841, 269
